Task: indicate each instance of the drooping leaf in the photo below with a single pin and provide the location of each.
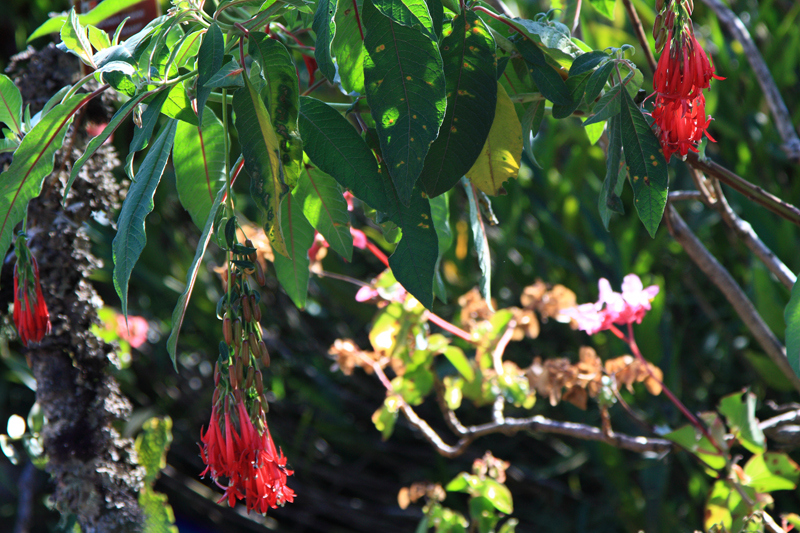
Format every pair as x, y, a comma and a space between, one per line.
348, 45
325, 29
209, 62
409, 13
100, 139
456, 356
325, 208
549, 82
792, 317
32, 163
481, 242
405, 86
576, 86
531, 122
608, 106
199, 160
191, 276
647, 169
470, 74
501, 153
103, 10
739, 411
614, 182
440, 213
772, 471
141, 136
10, 104
280, 96
262, 159
131, 238
334, 146
597, 81
292, 271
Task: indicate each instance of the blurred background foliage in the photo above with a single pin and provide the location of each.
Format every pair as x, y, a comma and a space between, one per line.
346, 478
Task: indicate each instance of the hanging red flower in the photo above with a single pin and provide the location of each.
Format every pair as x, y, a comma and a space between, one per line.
30, 310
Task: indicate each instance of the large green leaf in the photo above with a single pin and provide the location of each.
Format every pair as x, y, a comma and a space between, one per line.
549, 82
348, 45
280, 96
470, 73
325, 208
325, 29
191, 276
405, 85
481, 242
498, 160
337, 149
33, 162
262, 159
292, 271
141, 136
100, 139
409, 13
739, 410
74, 39
131, 238
771, 471
178, 105
554, 37
615, 174
95, 16
440, 213
646, 166
606, 7
199, 159
608, 106
209, 61
10, 104
792, 317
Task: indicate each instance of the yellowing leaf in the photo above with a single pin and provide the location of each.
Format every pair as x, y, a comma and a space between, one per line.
502, 152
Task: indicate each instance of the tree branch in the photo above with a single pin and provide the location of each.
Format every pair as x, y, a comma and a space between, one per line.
640, 35
732, 292
780, 113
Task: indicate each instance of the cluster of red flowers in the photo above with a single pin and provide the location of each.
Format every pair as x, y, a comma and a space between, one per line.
680, 108
30, 310
236, 450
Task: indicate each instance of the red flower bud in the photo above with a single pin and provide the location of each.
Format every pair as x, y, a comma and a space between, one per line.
30, 310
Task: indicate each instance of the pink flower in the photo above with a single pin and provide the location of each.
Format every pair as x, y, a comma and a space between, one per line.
359, 238
135, 331
348, 197
613, 307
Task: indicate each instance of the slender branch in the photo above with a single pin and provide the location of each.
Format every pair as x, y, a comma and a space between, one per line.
677, 196
640, 34
447, 326
781, 115
732, 292
747, 234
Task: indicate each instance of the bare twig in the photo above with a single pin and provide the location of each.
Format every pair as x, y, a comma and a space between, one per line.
770, 525
780, 114
677, 196
747, 234
640, 35
733, 293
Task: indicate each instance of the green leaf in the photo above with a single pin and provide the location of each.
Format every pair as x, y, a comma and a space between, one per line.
470, 74
499, 159
262, 159
385, 417
615, 174
409, 13
209, 62
605, 7
103, 10
326, 209
188, 52
292, 271
334, 146
159, 516
587, 62
141, 136
348, 46
691, 439
597, 81
100, 139
276, 68
178, 105
549, 82
131, 238
608, 106
325, 30
792, 317
554, 37
32, 163
457, 358
647, 168
771, 471
98, 38
152, 445
75, 40
531, 122
440, 213
739, 410
10, 105
229, 76
191, 276
481, 242
498, 494
199, 160
436, 10
576, 86
405, 85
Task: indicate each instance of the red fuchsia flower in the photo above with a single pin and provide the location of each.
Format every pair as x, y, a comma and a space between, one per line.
614, 308
255, 469
681, 124
134, 331
30, 310
318, 244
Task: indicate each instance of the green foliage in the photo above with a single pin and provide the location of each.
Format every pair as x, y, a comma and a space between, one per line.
326, 209
209, 63
298, 234
152, 445
11, 105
